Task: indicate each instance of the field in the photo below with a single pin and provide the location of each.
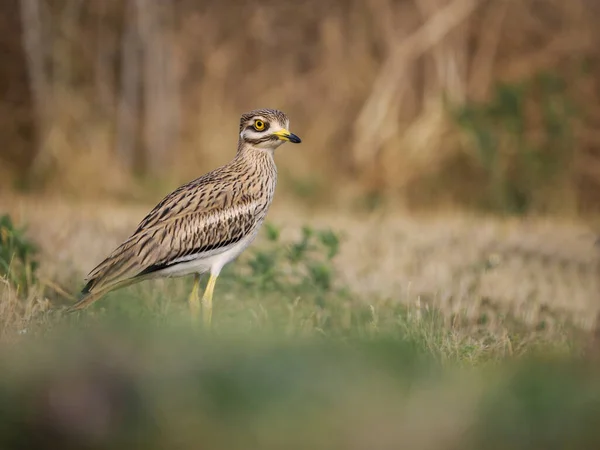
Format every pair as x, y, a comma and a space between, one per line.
429, 276
333, 331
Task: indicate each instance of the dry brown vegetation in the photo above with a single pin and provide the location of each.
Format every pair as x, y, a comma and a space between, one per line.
157, 87
542, 273
423, 103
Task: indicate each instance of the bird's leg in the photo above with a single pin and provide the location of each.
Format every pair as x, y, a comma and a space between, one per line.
194, 299
207, 299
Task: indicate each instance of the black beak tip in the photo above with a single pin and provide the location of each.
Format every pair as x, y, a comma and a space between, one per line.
295, 139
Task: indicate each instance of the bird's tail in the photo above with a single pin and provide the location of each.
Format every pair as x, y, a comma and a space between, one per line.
87, 296
84, 301
90, 295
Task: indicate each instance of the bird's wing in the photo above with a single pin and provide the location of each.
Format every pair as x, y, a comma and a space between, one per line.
198, 218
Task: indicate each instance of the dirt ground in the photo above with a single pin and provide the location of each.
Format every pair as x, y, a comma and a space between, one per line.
453, 261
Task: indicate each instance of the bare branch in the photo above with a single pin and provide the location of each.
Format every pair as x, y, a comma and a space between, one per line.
34, 49
129, 101
372, 117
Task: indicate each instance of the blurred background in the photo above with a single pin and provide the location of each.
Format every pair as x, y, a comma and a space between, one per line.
440, 214
481, 104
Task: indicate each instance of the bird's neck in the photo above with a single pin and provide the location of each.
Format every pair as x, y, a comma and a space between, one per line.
257, 160
250, 152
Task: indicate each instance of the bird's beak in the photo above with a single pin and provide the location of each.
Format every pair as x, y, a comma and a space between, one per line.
285, 135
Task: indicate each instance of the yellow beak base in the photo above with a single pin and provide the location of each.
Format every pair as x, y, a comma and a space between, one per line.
285, 135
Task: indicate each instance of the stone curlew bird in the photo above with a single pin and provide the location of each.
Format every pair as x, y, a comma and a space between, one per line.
203, 225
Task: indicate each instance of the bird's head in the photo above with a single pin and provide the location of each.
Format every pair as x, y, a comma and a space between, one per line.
266, 129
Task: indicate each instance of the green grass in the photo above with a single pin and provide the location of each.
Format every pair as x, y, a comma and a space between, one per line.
125, 382
293, 360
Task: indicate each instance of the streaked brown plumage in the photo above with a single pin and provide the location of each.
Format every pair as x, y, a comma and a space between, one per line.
204, 224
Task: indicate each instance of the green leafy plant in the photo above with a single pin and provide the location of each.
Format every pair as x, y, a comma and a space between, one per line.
523, 139
303, 265
17, 256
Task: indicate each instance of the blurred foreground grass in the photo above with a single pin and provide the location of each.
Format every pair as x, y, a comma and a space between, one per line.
294, 361
131, 384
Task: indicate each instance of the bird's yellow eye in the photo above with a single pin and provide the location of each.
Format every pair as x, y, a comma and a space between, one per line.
259, 125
